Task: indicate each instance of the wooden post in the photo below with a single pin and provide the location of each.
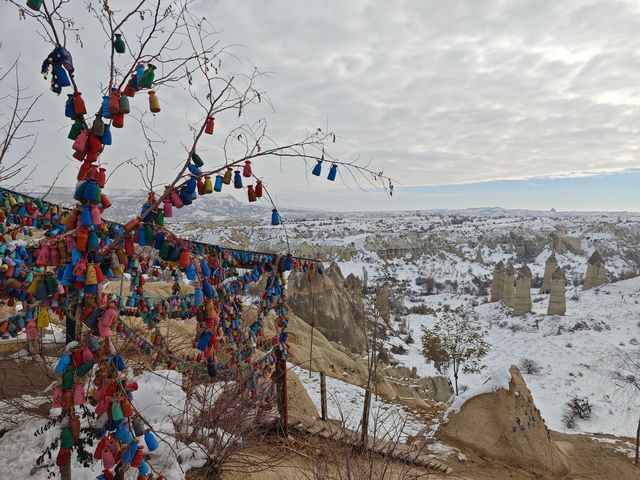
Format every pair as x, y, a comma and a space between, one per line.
323, 396
283, 406
638, 442
365, 417
65, 472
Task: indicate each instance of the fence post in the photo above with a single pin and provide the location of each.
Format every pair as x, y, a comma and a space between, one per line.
323, 396
365, 417
283, 406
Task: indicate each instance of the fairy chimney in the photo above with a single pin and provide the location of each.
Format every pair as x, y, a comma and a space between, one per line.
508, 288
498, 281
596, 272
557, 299
549, 267
522, 300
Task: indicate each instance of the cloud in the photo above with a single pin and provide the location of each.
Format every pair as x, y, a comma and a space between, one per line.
433, 92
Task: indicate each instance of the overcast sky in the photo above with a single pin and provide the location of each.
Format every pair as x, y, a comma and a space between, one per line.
436, 93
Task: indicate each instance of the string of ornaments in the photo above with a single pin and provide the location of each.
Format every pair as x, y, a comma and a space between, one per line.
64, 274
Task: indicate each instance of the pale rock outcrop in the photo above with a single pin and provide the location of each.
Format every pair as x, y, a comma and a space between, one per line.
325, 302
596, 272
506, 425
508, 286
522, 300
549, 267
498, 282
557, 299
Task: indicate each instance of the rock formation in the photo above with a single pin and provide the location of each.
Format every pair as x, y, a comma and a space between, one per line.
326, 302
549, 267
508, 288
479, 258
506, 425
522, 300
557, 299
596, 272
498, 282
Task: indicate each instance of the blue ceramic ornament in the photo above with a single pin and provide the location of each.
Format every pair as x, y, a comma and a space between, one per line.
332, 172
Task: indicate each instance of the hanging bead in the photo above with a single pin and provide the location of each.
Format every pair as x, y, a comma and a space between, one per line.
317, 169
209, 125
332, 172
246, 171
118, 44
145, 80
227, 176
218, 185
251, 194
275, 217
259, 189
154, 103
237, 179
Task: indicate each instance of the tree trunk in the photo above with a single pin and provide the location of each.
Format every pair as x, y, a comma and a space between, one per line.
455, 380
637, 441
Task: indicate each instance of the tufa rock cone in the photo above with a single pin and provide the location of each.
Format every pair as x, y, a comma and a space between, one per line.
508, 288
506, 425
522, 300
596, 272
557, 299
498, 282
549, 267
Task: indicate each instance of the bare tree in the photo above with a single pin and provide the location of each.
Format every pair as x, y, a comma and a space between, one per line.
457, 341
15, 122
625, 374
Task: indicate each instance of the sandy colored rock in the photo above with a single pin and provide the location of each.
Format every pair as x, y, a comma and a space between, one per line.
508, 286
549, 267
300, 404
522, 300
325, 302
507, 426
497, 285
557, 299
596, 272
479, 258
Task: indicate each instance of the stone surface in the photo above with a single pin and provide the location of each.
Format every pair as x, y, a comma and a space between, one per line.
596, 272
507, 425
557, 299
522, 300
508, 286
549, 267
497, 284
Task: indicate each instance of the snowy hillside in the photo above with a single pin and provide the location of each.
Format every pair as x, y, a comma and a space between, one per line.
574, 351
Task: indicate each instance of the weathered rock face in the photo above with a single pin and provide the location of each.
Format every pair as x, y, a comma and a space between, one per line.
596, 272
479, 258
522, 300
563, 243
326, 302
508, 286
506, 425
497, 285
557, 299
549, 267
439, 388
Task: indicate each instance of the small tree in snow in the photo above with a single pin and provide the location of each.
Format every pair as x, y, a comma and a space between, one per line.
457, 341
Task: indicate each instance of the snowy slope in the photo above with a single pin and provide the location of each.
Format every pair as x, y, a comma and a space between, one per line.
574, 351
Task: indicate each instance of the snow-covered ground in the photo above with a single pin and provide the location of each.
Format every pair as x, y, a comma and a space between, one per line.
345, 403
575, 352
159, 399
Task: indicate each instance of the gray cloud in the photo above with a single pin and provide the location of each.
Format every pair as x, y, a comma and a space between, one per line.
433, 91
